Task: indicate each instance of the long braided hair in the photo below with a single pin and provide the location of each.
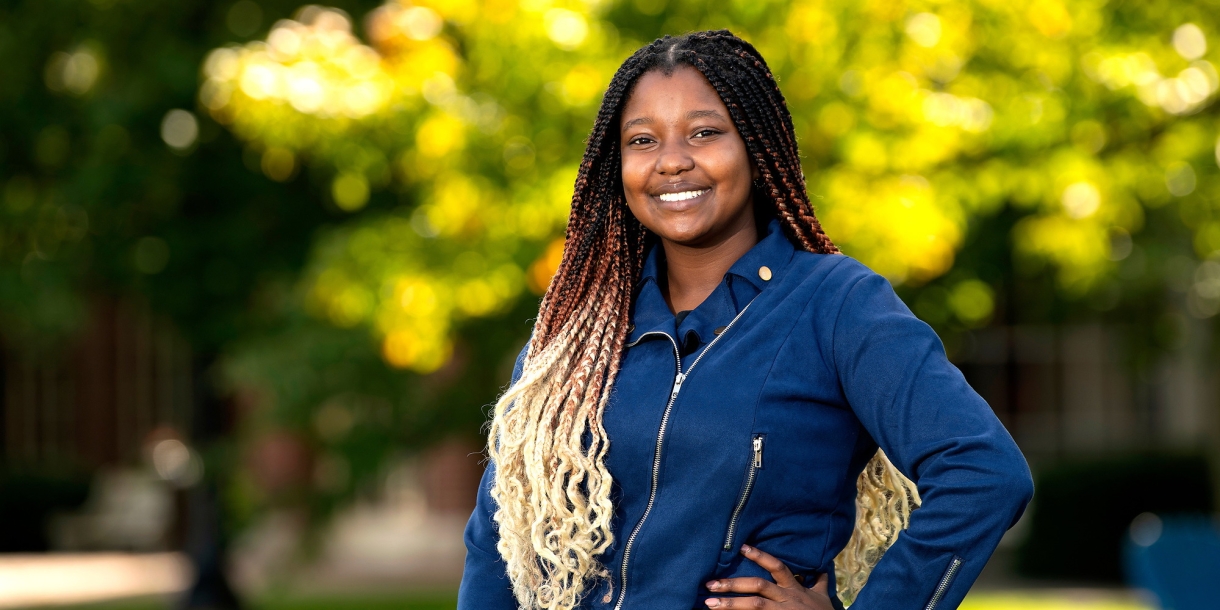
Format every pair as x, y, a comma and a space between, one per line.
546, 438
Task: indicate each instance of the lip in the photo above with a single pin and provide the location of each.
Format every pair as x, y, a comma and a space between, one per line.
679, 187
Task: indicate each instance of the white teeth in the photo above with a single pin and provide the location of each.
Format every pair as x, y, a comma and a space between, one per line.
683, 196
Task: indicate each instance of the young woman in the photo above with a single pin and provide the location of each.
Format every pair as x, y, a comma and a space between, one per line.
696, 421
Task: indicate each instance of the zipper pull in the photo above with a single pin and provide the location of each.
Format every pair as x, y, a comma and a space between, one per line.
677, 385
758, 446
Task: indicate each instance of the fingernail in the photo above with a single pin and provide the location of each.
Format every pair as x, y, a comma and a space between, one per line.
712, 603
715, 584
745, 548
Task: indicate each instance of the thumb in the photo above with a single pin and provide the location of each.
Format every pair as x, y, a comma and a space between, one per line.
822, 585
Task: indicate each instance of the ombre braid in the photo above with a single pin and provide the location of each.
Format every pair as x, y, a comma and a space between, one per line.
546, 440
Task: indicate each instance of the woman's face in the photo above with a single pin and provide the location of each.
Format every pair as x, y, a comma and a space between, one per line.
686, 174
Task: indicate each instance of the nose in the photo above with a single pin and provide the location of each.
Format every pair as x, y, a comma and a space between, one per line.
674, 158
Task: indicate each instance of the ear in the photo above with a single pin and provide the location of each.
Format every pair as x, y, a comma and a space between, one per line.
754, 173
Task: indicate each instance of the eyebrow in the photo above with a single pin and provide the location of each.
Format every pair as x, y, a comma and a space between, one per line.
699, 114
636, 121
690, 116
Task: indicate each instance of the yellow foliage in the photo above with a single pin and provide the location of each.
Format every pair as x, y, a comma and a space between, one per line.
582, 84
423, 352
1081, 247
278, 163
440, 135
454, 202
972, 301
914, 119
350, 191
918, 237
545, 266
1050, 18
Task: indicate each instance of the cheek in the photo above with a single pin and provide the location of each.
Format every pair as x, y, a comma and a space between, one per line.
635, 181
635, 172
730, 167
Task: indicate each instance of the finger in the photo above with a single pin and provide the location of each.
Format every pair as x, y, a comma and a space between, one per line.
779, 571
760, 586
822, 585
751, 603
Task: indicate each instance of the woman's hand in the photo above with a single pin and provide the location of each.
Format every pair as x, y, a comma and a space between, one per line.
784, 593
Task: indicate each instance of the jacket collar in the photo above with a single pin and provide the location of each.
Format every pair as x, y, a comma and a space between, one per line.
740, 285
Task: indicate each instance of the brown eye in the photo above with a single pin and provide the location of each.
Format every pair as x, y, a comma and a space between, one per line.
703, 133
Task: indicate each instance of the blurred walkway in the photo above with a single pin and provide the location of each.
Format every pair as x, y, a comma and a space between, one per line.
69, 579
72, 578
367, 548
393, 550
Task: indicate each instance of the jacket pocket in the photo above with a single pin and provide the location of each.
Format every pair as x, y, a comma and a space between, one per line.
756, 464
943, 586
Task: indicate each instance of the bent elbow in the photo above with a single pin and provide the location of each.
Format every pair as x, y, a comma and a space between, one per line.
1015, 487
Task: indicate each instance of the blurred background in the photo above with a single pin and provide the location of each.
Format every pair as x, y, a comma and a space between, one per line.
264, 266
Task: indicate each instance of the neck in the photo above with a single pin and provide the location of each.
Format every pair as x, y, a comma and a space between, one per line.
693, 272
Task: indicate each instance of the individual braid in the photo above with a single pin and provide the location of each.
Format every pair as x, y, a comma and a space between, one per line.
546, 439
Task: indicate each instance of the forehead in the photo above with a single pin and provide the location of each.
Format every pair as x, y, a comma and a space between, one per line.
669, 96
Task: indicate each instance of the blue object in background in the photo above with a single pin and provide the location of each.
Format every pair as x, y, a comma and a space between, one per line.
1177, 558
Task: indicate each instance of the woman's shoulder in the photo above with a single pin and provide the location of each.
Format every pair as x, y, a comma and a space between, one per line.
840, 291
828, 274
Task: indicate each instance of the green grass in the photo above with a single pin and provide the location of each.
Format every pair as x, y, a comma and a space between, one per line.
1050, 600
434, 602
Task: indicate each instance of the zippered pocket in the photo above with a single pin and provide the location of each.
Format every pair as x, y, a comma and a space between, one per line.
756, 464
943, 586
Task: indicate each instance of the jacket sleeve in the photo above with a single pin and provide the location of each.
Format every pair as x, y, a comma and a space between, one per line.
485, 584
972, 478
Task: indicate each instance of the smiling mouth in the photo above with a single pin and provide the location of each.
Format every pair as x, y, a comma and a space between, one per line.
683, 196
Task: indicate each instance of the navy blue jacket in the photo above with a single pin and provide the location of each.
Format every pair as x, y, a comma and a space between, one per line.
749, 420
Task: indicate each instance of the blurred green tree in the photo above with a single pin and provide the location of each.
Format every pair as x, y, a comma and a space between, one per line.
355, 208
1040, 162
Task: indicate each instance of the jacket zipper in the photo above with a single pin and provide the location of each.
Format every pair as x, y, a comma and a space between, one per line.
679, 378
755, 463
945, 581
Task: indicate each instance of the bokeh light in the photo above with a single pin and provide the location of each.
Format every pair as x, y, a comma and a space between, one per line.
72, 72
179, 129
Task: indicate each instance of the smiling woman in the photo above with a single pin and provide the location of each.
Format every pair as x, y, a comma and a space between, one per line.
687, 177
704, 413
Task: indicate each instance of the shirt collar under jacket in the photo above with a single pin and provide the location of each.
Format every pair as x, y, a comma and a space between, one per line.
740, 285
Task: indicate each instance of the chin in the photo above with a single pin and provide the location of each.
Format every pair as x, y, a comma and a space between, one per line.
686, 235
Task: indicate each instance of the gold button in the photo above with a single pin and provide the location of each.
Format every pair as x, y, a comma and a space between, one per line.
765, 273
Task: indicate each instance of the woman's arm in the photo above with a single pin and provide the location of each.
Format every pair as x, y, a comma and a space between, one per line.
972, 478
485, 584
